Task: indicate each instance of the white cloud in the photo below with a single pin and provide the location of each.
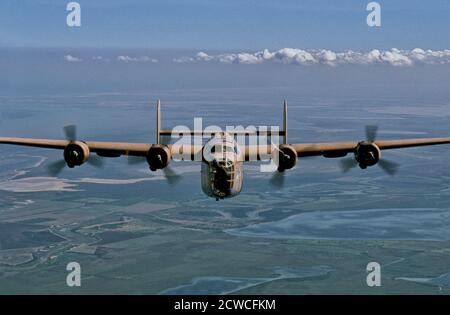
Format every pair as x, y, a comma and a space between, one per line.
392, 57
100, 58
128, 59
396, 58
248, 58
203, 56
327, 57
70, 58
293, 55
183, 60
430, 56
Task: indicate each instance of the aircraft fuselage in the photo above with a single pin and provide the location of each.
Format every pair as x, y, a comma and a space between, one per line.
222, 169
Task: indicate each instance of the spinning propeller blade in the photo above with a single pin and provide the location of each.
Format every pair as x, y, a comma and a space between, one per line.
387, 166
96, 161
277, 179
171, 176
70, 132
347, 164
54, 168
371, 133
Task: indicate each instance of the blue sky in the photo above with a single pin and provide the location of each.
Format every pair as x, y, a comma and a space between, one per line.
136, 45
226, 25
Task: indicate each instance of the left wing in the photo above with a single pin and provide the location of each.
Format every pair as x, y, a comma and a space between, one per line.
107, 149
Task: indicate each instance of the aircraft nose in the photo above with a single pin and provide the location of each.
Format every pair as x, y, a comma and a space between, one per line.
223, 163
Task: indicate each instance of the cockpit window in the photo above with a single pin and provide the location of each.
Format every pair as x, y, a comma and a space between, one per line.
219, 148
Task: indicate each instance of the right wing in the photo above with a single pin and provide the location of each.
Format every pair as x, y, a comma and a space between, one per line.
338, 149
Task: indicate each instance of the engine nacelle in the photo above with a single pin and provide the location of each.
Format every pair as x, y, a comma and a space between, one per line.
367, 154
76, 153
158, 157
287, 157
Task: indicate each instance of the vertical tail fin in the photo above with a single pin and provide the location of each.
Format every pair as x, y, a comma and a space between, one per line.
158, 122
285, 122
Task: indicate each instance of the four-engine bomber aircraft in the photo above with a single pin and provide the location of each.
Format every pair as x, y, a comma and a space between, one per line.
222, 171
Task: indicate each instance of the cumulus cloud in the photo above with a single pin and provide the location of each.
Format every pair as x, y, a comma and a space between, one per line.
128, 59
392, 57
203, 56
396, 58
70, 58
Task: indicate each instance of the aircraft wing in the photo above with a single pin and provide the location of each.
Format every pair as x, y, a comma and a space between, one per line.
326, 149
107, 149
338, 149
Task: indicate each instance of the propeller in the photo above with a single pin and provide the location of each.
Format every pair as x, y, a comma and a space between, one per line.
347, 164
371, 133
387, 166
95, 161
171, 176
54, 168
70, 132
278, 179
